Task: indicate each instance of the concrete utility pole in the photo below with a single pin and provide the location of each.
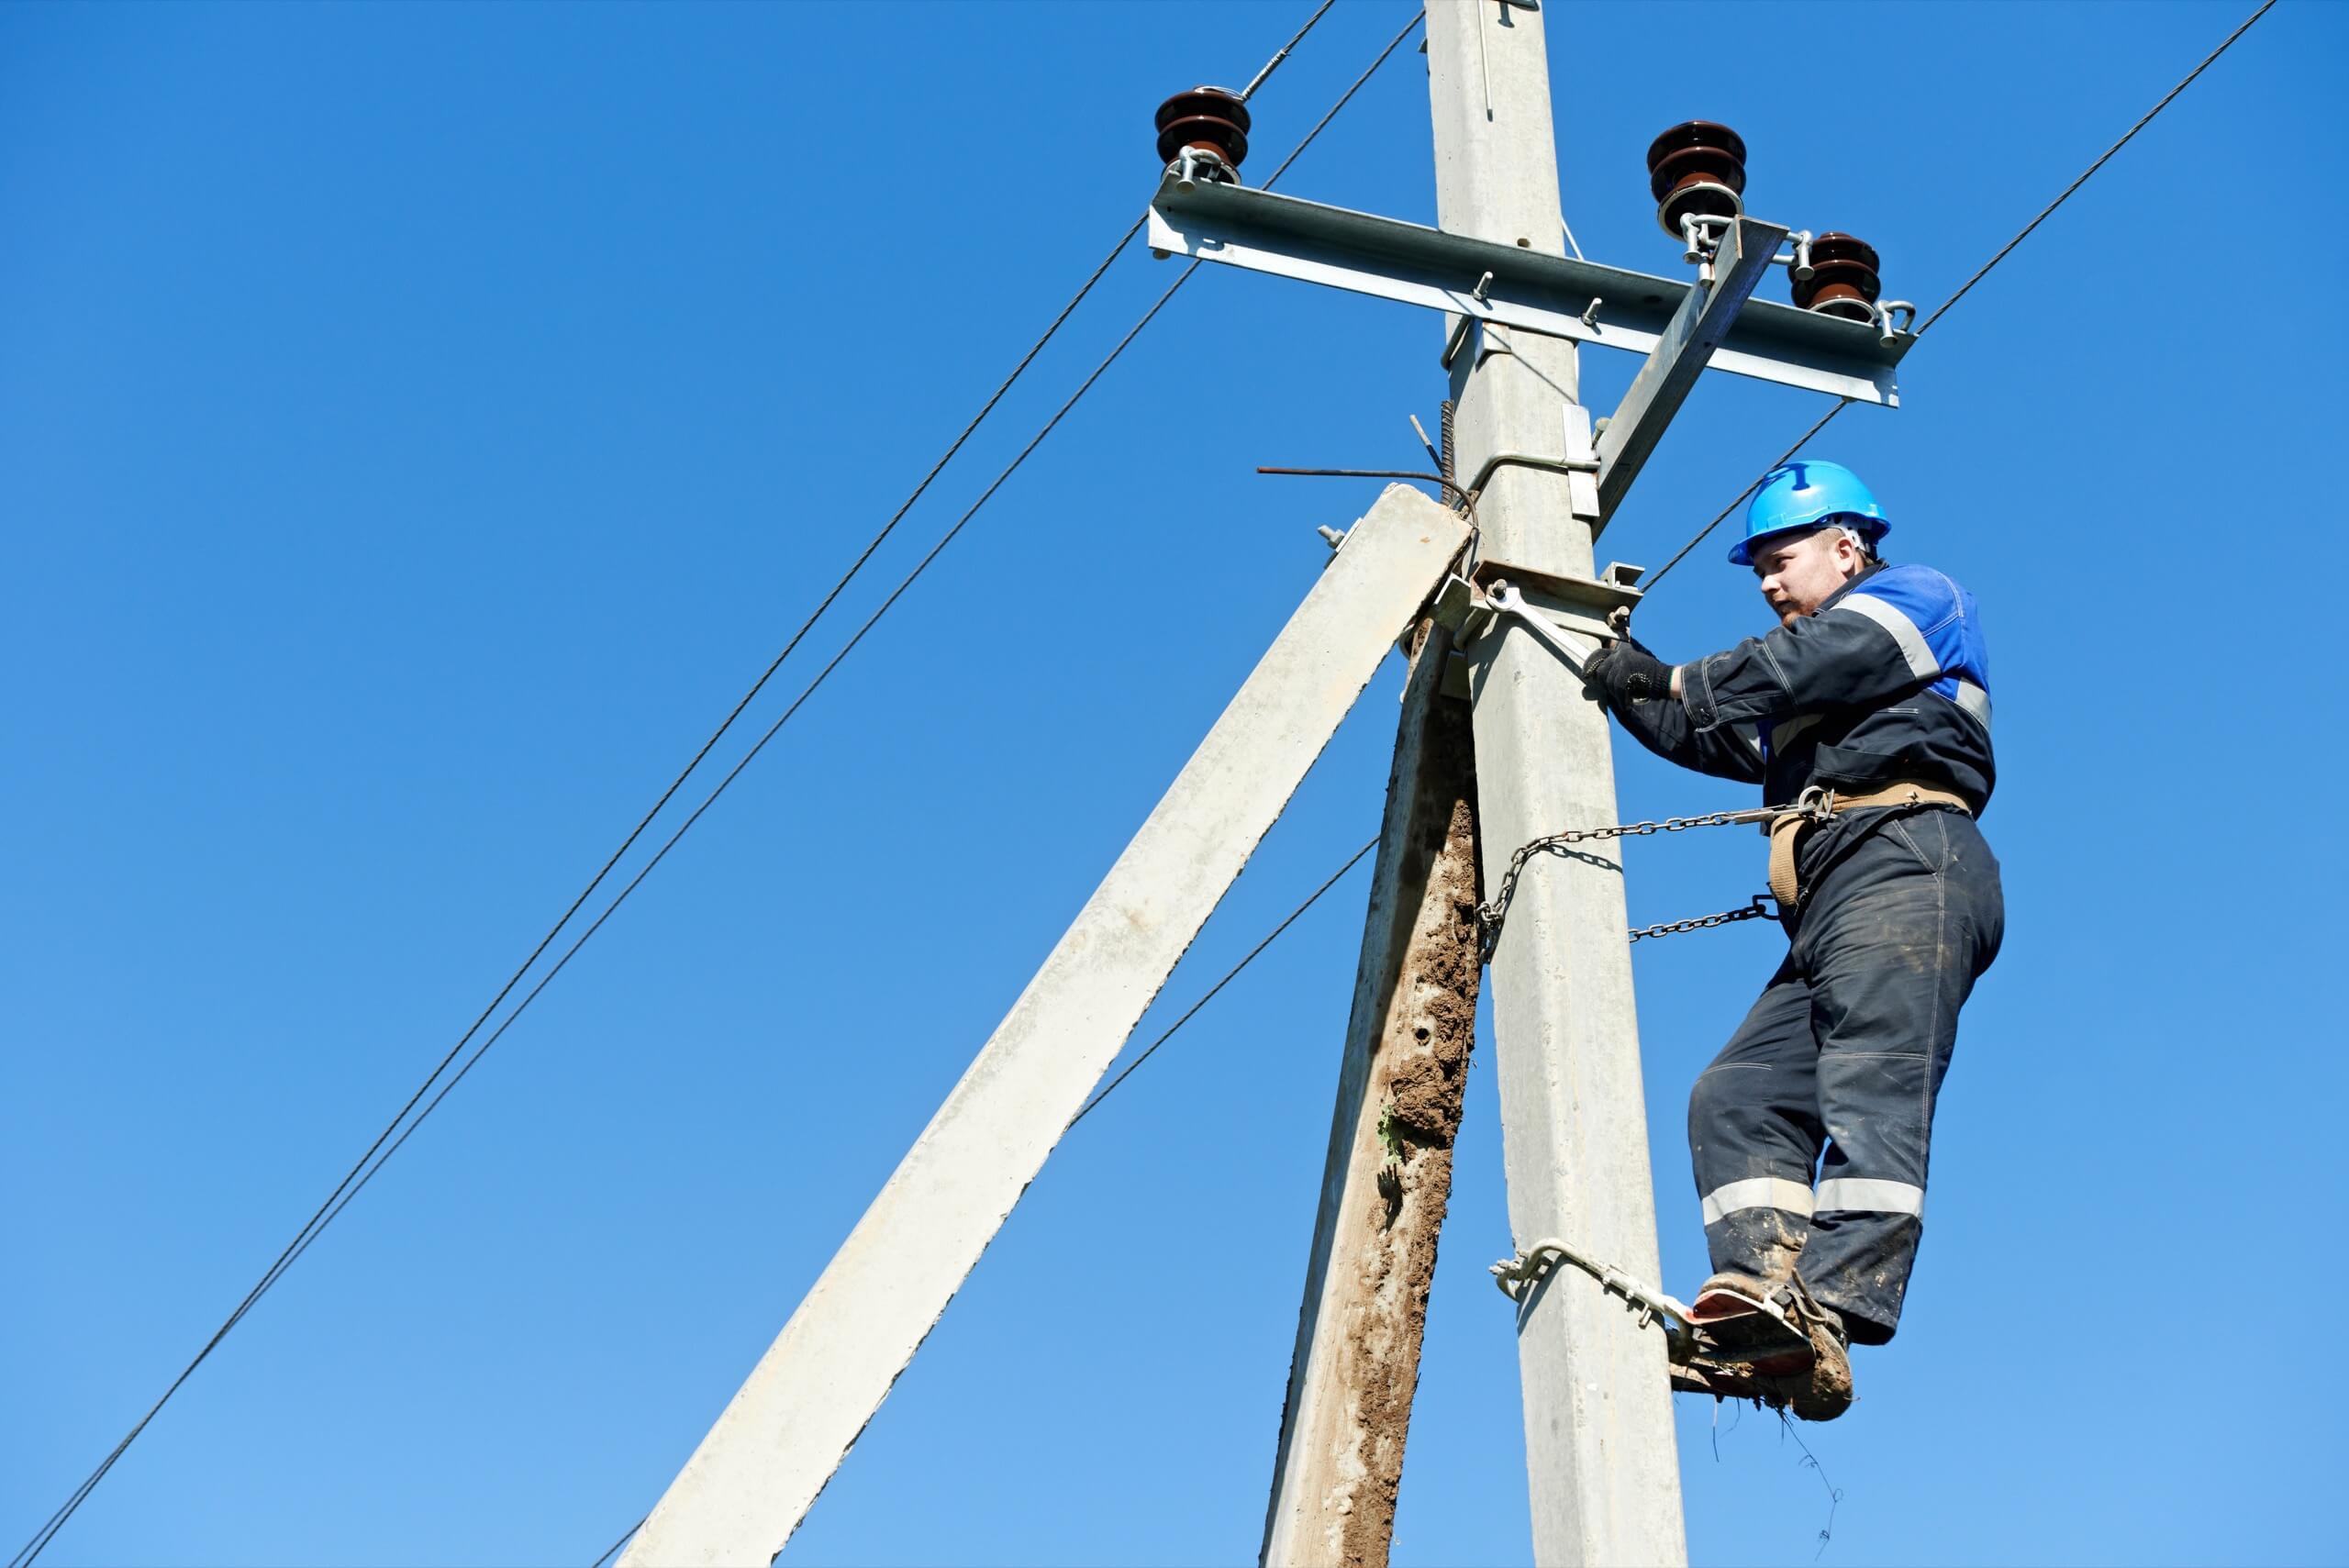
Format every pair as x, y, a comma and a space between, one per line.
1598, 1429
1532, 748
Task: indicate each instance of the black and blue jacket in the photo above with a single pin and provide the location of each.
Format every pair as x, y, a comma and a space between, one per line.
1890, 681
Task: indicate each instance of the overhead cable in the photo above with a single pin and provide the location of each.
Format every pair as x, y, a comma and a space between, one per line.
2126, 137
1979, 273
614, 1550
1755, 484
1229, 975
362, 1173
1800, 442
1282, 53
723, 784
345, 1188
359, 1174
1188, 1014
1335, 877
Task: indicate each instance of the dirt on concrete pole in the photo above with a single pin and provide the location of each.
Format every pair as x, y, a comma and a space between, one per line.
1388, 1176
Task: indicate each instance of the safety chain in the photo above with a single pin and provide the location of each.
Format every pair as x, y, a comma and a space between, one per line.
1490, 914
1759, 909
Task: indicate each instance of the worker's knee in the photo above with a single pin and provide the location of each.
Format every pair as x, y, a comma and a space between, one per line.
1723, 1105
1707, 1099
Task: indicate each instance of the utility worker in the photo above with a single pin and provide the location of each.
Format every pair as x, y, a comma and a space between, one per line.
1866, 714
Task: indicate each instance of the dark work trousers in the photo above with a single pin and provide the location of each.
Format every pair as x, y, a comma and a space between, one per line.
1843, 1055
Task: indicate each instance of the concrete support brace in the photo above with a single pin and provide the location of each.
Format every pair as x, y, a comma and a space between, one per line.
1388, 1175
757, 1473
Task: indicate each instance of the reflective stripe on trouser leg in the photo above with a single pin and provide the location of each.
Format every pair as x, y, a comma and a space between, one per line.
1858, 1195
1891, 945
1755, 1134
1756, 1191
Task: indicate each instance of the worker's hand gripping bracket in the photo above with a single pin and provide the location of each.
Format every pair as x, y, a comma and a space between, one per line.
1550, 605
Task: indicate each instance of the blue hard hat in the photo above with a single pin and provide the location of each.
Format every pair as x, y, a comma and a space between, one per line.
1807, 494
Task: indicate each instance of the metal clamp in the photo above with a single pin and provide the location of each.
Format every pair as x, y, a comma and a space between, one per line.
1798, 260
1194, 164
1887, 334
1500, 460
1703, 232
1459, 336
1816, 802
1517, 1277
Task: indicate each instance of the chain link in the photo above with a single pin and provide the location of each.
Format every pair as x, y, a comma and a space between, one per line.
1760, 909
1490, 914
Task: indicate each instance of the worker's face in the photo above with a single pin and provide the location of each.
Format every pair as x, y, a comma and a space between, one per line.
1800, 572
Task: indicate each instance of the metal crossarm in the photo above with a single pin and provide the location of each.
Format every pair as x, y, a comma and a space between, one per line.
1487, 280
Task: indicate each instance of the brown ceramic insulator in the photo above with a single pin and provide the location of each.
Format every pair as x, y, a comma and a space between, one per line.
1690, 134
1698, 166
1840, 299
1696, 194
1843, 280
1210, 119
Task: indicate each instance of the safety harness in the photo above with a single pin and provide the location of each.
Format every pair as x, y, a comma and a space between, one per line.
1818, 804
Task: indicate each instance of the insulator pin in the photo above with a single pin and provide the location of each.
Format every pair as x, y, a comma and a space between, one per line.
1842, 280
1697, 167
1205, 119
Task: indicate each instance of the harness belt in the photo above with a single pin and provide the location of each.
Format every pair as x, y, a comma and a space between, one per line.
1817, 803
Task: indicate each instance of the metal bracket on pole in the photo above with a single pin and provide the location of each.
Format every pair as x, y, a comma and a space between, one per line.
1696, 332
1559, 295
1520, 1276
1550, 606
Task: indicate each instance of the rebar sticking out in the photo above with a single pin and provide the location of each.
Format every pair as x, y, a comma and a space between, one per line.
1697, 167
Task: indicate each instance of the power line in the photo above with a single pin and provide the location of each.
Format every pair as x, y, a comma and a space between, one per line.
1979, 273
628, 1534
354, 1179
821, 675
1282, 53
362, 1173
2126, 137
344, 1189
759, 745
1348, 96
1752, 486
1107, 1089
614, 1550
1233, 973
1356, 858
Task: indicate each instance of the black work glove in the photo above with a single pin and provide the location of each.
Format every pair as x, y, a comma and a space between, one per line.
1624, 672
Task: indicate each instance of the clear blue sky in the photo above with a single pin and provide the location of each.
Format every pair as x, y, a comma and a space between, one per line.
417, 423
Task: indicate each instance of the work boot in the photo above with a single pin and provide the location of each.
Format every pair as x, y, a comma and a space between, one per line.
1742, 1323
1823, 1390
1728, 1294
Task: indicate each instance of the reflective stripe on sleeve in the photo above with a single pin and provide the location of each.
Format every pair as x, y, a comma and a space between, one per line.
1857, 1195
1889, 616
1756, 1191
1974, 700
